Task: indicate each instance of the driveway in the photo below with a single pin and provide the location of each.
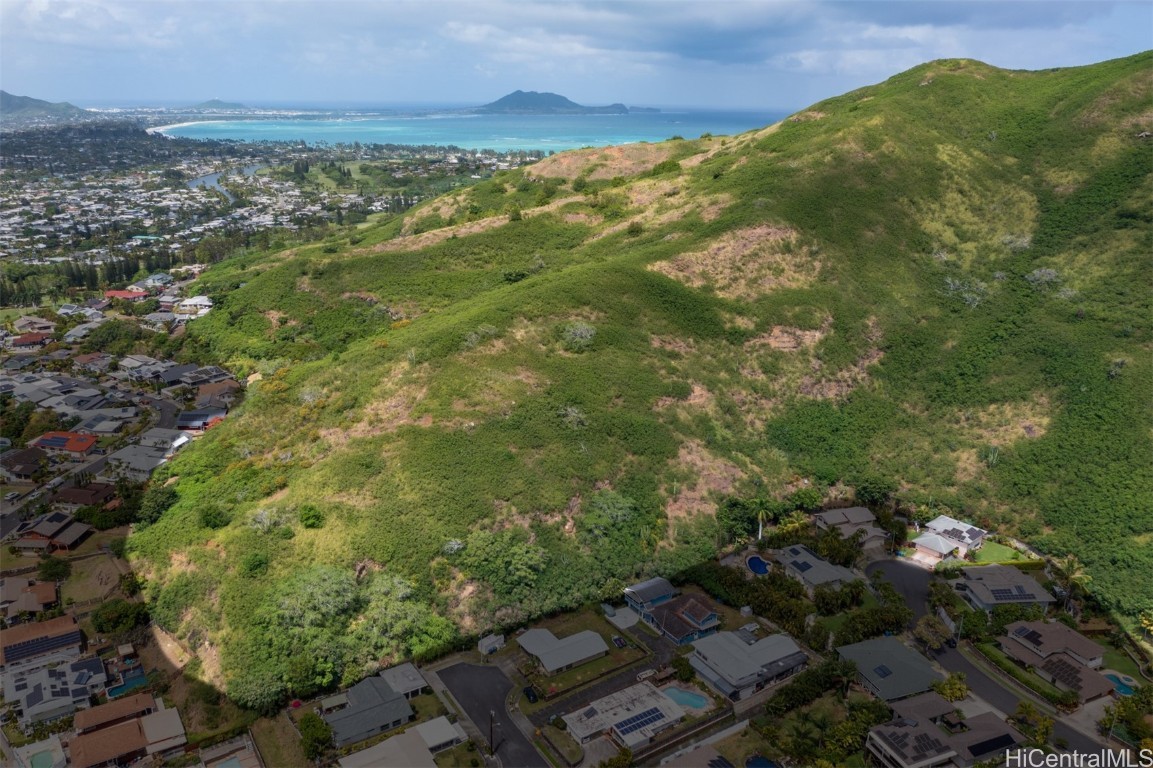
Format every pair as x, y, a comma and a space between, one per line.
481, 691
912, 582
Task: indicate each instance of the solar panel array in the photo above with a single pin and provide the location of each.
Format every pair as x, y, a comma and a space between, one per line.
56, 441
636, 722
1015, 593
995, 744
882, 671
1064, 672
802, 567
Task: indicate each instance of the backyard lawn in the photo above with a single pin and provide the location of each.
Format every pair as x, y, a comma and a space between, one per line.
279, 743
992, 552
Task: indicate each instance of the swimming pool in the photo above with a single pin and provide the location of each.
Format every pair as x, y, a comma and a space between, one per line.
132, 679
42, 759
1120, 685
756, 761
757, 565
690, 699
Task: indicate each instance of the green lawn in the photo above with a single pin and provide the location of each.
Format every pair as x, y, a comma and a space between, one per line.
279, 743
1120, 661
992, 552
461, 756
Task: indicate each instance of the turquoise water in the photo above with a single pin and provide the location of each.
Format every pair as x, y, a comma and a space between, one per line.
496, 132
687, 698
41, 760
232, 762
1120, 685
133, 678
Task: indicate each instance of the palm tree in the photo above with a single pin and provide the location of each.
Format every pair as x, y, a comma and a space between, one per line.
1072, 574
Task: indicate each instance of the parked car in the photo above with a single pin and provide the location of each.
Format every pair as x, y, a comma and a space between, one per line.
530, 694
12, 496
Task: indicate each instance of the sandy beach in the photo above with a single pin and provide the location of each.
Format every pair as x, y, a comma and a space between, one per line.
163, 128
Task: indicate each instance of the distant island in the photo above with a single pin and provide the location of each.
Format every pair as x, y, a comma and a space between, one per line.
535, 103
218, 104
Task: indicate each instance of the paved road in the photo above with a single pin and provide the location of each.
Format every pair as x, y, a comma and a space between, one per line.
912, 582
481, 690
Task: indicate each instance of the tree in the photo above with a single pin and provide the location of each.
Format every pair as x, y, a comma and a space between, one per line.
156, 501
953, 687
315, 735
54, 568
683, 669
932, 632
873, 490
118, 616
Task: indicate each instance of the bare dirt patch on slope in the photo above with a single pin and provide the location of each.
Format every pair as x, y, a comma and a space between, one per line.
713, 476
426, 239
602, 163
746, 263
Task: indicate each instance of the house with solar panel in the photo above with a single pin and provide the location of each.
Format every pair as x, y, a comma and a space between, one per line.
809, 568
1061, 655
945, 537
70, 445
919, 742
50, 532
40, 643
45, 693
988, 586
633, 717
889, 669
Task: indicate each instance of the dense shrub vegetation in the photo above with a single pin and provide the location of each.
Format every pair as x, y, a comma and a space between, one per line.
934, 289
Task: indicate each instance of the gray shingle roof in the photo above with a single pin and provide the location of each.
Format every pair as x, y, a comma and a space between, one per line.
557, 653
890, 667
372, 706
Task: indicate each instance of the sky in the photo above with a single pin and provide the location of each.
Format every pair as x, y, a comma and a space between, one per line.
775, 55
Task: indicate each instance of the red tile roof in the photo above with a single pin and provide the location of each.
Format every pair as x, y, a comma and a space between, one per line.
73, 442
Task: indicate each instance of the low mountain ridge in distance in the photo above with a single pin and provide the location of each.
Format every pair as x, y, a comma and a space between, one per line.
22, 107
533, 102
930, 293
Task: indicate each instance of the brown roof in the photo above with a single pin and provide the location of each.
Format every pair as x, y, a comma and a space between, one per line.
106, 744
683, 615
1047, 638
93, 493
23, 633
219, 388
129, 706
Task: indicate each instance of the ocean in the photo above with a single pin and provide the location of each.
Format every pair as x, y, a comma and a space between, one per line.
496, 132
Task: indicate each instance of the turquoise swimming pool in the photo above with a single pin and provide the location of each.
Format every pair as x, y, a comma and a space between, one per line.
690, 699
1120, 685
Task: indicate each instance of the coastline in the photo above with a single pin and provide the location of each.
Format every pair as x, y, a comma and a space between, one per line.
162, 128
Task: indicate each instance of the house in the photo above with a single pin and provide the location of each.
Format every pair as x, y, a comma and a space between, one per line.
643, 597
366, 709
932, 548
555, 654
156, 281
71, 445
406, 680
220, 394
804, 565
414, 748
30, 324
197, 306
685, 618
30, 644
490, 644
91, 495
172, 375
989, 586
889, 669
917, 742
632, 717
119, 736
42, 694
966, 538
27, 341
1061, 655
114, 712
738, 665
94, 362
22, 464
80, 332
50, 532
133, 462
200, 419
853, 521
23, 595
126, 295
167, 440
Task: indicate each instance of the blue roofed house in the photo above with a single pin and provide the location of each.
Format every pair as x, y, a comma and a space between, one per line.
364, 710
643, 597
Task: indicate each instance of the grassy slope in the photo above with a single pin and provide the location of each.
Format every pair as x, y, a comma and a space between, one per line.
893, 233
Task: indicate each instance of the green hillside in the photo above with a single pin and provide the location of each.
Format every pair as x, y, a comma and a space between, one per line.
522, 395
